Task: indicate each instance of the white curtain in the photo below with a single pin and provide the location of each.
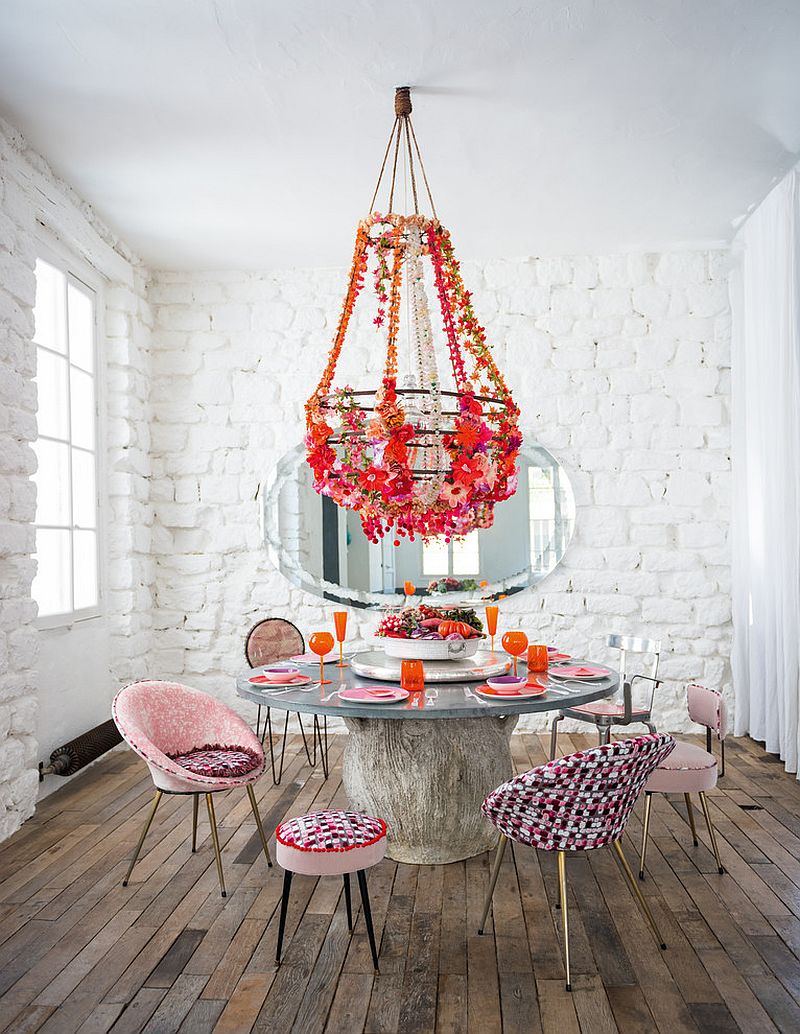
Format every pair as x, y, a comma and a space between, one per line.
766, 473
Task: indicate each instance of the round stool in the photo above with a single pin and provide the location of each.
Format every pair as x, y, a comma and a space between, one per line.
330, 843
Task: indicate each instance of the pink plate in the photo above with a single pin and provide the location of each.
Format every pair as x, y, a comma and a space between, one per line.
525, 692
373, 694
298, 680
579, 671
555, 656
312, 658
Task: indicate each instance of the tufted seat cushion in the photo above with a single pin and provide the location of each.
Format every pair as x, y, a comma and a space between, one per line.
214, 760
688, 769
330, 842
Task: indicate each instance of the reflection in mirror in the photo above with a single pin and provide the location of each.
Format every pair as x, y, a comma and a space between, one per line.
322, 548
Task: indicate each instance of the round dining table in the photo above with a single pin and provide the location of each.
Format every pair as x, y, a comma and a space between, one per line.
425, 764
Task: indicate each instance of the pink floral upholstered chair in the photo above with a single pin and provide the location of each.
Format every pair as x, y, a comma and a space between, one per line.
690, 769
193, 744
577, 803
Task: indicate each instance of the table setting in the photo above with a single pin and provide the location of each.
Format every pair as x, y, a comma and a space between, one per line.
430, 717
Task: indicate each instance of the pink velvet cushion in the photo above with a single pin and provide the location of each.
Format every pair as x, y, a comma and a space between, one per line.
605, 709
214, 760
688, 769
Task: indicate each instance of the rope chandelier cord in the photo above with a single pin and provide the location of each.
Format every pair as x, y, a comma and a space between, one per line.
417, 458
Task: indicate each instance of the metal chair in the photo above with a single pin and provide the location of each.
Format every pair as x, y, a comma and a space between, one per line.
605, 714
269, 641
579, 803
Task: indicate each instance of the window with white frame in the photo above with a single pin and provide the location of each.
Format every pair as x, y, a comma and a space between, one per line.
67, 578
460, 556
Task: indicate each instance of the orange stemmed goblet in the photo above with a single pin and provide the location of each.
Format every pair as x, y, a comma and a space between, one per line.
321, 643
491, 622
515, 643
340, 624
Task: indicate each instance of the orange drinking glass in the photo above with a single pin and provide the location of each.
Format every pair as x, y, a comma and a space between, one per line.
515, 643
412, 676
340, 624
537, 658
409, 588
491, 622
321, 643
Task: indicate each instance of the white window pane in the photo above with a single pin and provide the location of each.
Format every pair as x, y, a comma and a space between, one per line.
51, 386
49, 312
51, 584
82, 402
85, 569
434, 557
466, 554
52, 482
80, 307
84, 500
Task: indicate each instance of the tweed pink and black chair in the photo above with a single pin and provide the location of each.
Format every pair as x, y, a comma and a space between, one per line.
193, 744
690, 769
580, 802
269, 641
622, 710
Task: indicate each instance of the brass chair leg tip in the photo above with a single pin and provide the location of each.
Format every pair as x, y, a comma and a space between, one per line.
124, 883
721, 871
663, 946
269, 865
224, 893
568, 987
480, 931
641, 874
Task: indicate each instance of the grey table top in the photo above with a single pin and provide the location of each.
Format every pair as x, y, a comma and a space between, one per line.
440, 700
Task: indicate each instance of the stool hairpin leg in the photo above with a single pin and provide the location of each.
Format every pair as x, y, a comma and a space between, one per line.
276, 779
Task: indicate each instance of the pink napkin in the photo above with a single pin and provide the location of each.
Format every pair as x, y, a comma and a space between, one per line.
580, 671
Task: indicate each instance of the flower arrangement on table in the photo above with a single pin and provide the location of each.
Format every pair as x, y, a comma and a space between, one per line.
404, 463
426, 622
454, 585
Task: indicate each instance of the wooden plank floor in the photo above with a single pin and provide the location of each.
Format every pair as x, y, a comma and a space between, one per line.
80, 952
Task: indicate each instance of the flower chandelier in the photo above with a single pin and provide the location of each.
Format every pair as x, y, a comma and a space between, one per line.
420, 458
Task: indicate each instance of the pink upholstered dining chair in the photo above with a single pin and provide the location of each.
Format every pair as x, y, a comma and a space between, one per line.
605, 714
690, 769
192, 744
577, 803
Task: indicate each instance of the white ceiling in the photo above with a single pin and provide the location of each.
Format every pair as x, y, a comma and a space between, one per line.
248, 133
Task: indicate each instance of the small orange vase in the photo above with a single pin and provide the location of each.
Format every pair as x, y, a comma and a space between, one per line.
537, 658
412, 676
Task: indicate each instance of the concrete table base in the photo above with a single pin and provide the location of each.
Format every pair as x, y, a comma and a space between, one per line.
427, 780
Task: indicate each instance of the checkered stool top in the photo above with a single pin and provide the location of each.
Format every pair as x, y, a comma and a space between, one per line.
323, 831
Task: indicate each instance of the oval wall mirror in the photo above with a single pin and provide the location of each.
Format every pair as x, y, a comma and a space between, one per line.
321, 548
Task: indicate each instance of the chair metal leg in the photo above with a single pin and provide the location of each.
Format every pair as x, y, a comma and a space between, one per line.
276, 778
554, 735
711, 833
722, 758
623, 861
150, 817
195, 807
562, 893
645, 832
690, 812
498, 860
287, 886
651, 728
605, 735
348, 902
305, 743
321, 738
362, 886
215, 838
254, 805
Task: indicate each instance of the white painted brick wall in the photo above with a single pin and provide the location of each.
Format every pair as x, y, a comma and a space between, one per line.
620, 365
29, 191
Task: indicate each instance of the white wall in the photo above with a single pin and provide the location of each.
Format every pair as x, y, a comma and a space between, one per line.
621, 367
69, 675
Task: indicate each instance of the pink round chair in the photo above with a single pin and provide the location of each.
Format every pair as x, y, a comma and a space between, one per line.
192, 744
580, 802
690, 769
330, 843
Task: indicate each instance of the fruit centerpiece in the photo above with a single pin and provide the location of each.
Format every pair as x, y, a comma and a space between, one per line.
431, 633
